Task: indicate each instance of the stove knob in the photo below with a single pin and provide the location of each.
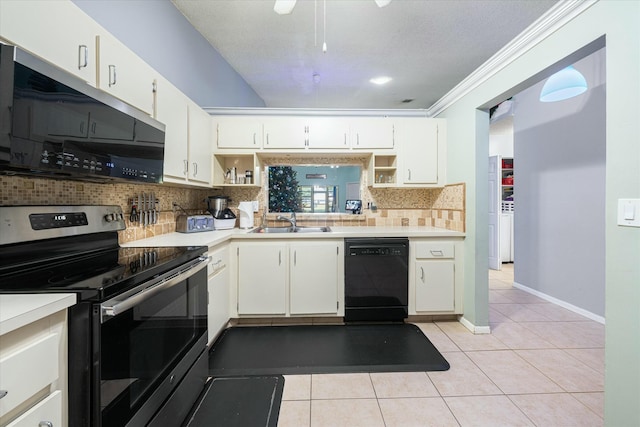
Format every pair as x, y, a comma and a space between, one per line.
108, 217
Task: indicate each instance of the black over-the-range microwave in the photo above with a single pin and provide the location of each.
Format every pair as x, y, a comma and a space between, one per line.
55, 124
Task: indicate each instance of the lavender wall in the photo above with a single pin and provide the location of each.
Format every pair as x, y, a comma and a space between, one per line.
158, 33
560, 153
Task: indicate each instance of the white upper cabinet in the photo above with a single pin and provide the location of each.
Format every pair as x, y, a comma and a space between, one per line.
418, 141
200, 145
422, 152
57, 31
172, 110
306, 132
238, 132
327, 132
124, 75
372, 133
285, 132
188, 146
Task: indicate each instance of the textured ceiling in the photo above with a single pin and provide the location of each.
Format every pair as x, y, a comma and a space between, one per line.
426, 46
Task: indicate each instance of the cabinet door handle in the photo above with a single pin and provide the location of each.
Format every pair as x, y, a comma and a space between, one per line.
254, 138
3, 393
45, 424
409, 174
345, 139
112, 75
186, 167
195, 169
295, 258
422, 274
83, 56
357, 139
279, 257
393, 136
437, 253
267, 139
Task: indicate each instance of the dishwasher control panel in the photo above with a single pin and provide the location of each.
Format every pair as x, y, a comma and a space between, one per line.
377, 251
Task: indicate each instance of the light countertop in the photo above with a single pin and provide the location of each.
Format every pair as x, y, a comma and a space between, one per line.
213, 238
18, 310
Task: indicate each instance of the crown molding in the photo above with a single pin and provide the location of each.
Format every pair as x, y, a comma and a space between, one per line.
556, 17
268, 111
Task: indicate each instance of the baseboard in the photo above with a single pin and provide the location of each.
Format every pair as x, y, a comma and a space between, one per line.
477, 330
561, 303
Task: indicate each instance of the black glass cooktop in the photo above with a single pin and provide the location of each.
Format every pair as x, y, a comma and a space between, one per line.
95, 275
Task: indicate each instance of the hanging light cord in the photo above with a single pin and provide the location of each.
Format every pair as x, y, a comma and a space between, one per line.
324, 44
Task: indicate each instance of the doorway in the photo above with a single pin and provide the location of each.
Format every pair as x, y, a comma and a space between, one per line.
559, 193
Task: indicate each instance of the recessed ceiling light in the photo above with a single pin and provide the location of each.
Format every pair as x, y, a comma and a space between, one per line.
381, 80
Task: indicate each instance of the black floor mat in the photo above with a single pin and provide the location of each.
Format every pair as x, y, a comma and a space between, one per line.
272, 350
239, 402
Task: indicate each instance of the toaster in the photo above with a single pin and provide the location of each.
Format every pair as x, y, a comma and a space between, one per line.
194, 223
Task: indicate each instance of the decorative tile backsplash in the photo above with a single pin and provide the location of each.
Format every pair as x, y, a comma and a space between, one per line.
439, 207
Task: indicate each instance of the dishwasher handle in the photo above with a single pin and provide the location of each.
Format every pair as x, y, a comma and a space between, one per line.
115, 306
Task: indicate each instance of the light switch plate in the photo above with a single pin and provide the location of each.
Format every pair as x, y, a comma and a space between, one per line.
629, 212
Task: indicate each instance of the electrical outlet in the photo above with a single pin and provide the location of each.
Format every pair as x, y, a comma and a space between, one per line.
255, 205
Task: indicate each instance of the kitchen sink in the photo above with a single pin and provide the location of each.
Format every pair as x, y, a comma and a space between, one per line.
272, 230
312, 229
297, 229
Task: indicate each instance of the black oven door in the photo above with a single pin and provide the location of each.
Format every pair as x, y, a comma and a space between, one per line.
145, 343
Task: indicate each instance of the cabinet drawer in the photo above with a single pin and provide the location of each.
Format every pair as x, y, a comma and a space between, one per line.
25, 372
219, 261
47, 410
434, 250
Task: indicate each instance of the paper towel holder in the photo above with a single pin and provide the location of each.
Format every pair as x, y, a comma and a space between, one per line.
245, 210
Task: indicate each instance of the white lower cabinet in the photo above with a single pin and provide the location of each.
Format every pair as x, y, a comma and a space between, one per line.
314, 278
33, 373
262, 278
218, 287
435, 285
46, 413
290, 278
435, 280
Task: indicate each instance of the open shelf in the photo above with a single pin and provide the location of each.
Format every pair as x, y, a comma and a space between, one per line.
383, 170
222, 163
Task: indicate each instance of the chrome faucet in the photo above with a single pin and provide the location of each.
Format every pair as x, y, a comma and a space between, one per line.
292, 219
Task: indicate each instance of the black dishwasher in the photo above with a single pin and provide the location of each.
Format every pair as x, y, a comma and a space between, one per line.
376, 279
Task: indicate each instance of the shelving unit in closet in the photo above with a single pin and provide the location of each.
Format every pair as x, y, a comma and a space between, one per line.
507, 180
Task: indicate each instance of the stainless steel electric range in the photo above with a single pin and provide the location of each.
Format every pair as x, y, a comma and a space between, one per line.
138, 334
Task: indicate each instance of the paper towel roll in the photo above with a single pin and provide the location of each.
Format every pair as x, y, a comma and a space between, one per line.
246, 214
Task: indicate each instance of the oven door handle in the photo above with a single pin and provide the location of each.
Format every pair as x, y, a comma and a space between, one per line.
116, 306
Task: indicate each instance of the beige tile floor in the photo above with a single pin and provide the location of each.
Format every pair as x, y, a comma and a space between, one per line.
542, 366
